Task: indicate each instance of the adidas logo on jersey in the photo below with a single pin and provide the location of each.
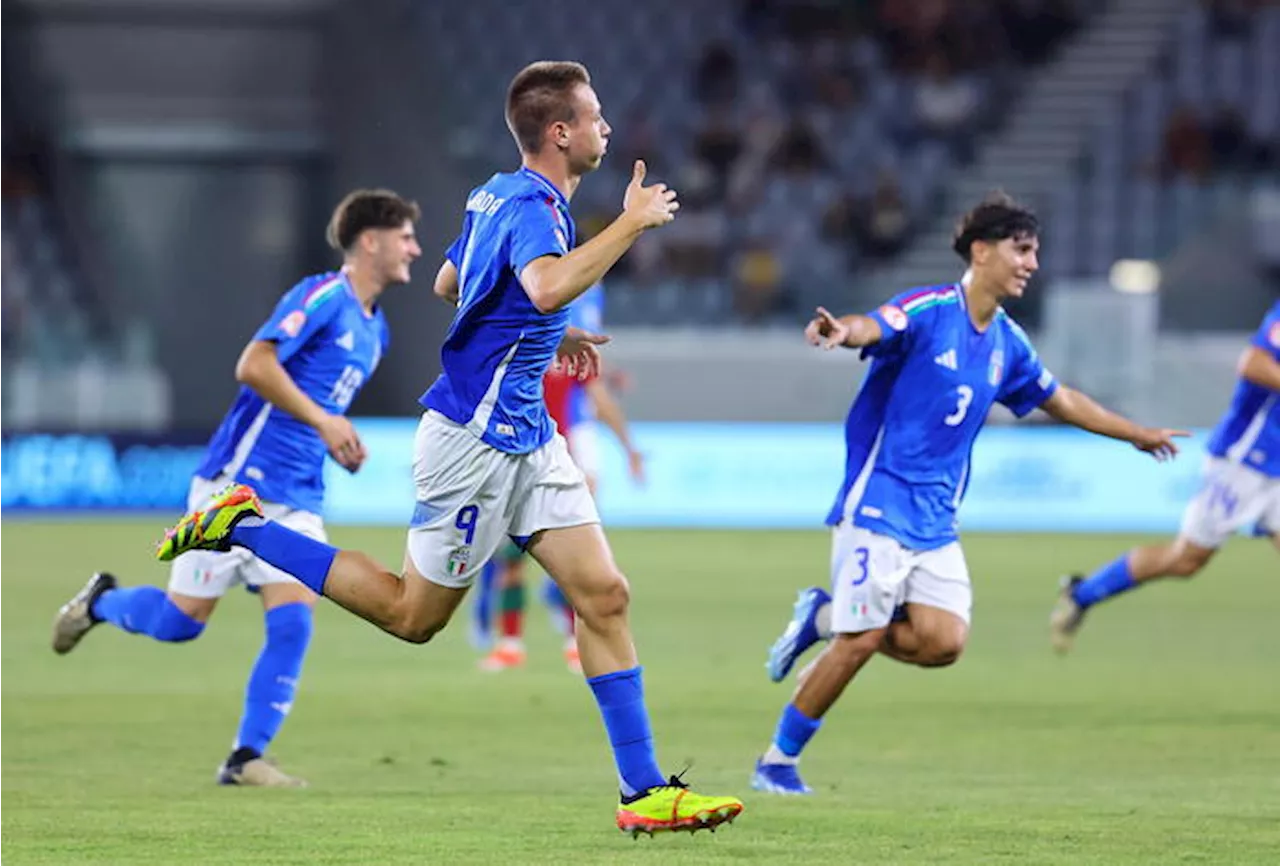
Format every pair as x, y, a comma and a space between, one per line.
347, 341
947, 359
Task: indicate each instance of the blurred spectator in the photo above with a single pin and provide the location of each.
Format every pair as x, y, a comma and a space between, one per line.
945, 103
882, 224
1036, 27
697, 250
717, 145
798, 152
1229, 138
757, 283
14, 303
1188, 150
1230, 19
715, 80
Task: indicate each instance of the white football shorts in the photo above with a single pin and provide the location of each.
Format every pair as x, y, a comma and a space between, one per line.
471, 497
208, 574
1231, 497
872, 574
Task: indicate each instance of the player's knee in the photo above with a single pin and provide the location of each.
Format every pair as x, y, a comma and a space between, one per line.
172, 625
1189, 561
942, 653
607, 601
416, 631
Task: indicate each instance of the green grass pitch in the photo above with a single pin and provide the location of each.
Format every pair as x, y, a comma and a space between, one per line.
1158, 741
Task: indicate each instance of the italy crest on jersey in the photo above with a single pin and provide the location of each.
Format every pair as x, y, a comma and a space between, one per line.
995, 370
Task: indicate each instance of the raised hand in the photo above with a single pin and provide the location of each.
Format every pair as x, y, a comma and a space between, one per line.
650, 206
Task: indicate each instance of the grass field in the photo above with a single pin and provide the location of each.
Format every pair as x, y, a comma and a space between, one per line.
1157, 742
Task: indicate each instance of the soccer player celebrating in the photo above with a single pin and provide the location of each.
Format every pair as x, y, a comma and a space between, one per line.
941, 356
573, 403
298, 375
1241, 489
488, 464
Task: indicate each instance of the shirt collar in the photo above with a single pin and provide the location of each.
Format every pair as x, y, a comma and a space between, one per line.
550, 187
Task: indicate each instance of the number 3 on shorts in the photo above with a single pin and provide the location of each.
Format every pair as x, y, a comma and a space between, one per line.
466, 521
861, 554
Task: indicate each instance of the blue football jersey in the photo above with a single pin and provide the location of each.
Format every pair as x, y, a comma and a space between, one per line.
1249, 432
910, 432
587, 313
499, 345
330, 348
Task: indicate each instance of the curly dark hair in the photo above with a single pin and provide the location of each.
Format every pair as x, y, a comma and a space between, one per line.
996, 218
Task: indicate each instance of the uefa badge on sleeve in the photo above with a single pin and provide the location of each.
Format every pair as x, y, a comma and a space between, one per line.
893, 317
1274, 336
292, 323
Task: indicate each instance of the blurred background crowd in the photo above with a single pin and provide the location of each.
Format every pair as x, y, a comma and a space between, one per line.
168, 166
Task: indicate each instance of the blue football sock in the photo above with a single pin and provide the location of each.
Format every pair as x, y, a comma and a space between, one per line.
621, 699
292, 552
1112, 579
268, 697
795, 729
146, 610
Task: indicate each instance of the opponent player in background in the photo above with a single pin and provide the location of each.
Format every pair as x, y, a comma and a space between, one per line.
1240, 489
298, 375
941, 356
574, 404
488, 463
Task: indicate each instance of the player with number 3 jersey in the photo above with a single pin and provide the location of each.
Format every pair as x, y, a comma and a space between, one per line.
940, 358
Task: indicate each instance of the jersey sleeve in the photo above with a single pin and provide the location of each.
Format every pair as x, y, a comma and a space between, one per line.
535, 232
896, 328
301, 314
1027, 383
1268, 336
454, 253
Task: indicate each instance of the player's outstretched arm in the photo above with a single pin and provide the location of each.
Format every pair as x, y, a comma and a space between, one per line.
446, 284
852, 332
1072, 407
553, 282
259, 367
610, 413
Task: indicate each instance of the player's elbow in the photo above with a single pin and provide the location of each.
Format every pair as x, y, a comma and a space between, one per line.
543, 283
545, 300
251, 364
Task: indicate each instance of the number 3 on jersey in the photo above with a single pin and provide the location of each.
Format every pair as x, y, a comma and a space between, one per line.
964, 396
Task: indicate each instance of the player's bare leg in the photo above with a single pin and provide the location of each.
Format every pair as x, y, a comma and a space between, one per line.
1177, 558
930, 637
406, 605
579, 560
820, 685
